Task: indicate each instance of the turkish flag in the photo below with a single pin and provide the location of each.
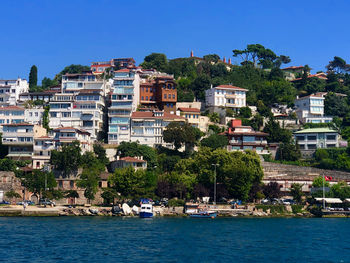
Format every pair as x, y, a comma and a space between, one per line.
328, 178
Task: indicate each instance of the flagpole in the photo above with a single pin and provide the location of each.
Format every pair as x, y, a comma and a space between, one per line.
324, 202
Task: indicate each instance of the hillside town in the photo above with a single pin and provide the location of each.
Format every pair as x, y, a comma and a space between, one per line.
116, 130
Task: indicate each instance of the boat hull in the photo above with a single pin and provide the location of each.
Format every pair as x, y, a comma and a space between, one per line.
204, 215
146, 214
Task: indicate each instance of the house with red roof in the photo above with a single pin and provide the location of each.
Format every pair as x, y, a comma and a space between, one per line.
136, 162
225, 96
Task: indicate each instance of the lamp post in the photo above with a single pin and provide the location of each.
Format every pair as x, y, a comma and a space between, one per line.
215, 182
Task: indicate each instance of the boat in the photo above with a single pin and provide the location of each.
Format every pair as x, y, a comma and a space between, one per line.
146, 211
204, 214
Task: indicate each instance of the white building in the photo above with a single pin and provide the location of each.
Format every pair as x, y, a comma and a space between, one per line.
226, 96
20, 137
147, 127
67, 135
11, 114
34, 115
125, 99
81, 110
311, 109
10, 90
43, 146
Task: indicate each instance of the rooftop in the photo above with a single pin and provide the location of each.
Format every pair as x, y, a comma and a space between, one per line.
151, 115
231, 87
189, 109
12, 108
316, 130
129, 159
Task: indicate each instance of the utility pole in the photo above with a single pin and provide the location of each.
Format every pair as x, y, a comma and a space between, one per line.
215, 182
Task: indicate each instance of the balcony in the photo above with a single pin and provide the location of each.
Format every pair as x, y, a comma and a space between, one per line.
231, 96
121, 91
5, 142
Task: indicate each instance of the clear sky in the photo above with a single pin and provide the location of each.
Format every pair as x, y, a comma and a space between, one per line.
54, 33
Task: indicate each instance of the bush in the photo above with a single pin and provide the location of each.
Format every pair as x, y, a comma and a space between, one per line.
176, 202
297, 209
274, 209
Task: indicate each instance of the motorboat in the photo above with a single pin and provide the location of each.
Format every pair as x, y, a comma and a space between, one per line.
146, 210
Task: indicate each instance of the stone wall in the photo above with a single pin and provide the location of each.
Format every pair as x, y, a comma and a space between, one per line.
8, 182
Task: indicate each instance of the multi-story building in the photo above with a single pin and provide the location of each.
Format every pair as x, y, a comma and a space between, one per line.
193, 117
20, 137
82, 110
159, 92
121, 63
147, 127
242, 138
42, 151
67, 135
225, 96
315, 138
311, 109
11, 114
124, 99
10, 90
44, 95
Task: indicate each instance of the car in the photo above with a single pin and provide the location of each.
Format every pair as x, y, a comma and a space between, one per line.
46, 202
288, 202
28, 202
4, 203
265, 201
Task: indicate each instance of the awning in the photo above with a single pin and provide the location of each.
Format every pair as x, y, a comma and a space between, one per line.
329, 200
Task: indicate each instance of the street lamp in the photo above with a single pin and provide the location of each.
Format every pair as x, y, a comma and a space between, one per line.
215, 182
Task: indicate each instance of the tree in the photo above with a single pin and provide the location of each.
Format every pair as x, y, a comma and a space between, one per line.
256, 54
272, 190
12, 194
7, 165
296, 192
33, 77
68, 159
156, 61
288, 151
215, 141
319, 181
245, 112
338, 65
276, 133
335, 105
35, 181
212, 58
72, 69
89, 180
47, 83
200, 84
100, 153
45, 117
134, 149
214, 117
181, 134
72, 194
108, 195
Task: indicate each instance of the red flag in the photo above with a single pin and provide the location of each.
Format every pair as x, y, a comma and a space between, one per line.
328, 178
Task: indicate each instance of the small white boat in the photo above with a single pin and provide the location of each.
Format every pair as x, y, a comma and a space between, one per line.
146, 211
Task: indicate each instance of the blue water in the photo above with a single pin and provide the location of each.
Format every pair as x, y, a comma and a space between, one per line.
99, 239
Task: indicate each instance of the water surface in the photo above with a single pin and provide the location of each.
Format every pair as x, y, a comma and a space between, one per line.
101, 239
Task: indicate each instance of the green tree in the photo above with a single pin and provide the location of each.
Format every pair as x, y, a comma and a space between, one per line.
45, 118
68, 159
335, 105
72, 69
47, 83
108, 195
35, 181
276, 133
100, 153
89, 181
182, 134
156, 61
33, 77
215, 141
72, 194
272, 190
338, 65
288, 151
12, 194
134, 149
319, 181
214, 117
296, 192
200, 84
245, 112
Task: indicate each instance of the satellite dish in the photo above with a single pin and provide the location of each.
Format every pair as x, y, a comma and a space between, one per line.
126, 209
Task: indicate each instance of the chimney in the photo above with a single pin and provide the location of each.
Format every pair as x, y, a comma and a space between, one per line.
229, 61
224, 59
236, 123
141, 157
191, 53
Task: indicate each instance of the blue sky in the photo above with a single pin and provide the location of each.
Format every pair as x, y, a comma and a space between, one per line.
54, 33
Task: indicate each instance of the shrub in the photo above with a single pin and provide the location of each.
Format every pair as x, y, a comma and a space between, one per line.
297, 209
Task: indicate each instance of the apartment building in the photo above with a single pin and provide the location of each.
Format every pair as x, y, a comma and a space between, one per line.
310, 109
33, 96
11, 114
83, 109
147, 127
20, 137
315, 138
124, 99
242, 138
43, 146
67, 135
10, 90
227, 96
121, 63
193, 117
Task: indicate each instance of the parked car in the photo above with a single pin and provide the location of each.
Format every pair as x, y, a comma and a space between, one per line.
4, 203
46, 202
288, 202
28, 202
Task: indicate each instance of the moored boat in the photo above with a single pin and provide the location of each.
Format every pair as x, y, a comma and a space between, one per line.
204, 214
146, 211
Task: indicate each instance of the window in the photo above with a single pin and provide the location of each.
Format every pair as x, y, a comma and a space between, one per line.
164, 96
146, 89
331, 137
36, 114
311, 146
173, 96
141, 97
311, 137
169, 96
300, 138
146, 97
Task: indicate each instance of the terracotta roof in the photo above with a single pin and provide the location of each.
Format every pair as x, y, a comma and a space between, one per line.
293, 67
12, 108
129, 159
18, 124
231, 87
189, 109
123, 70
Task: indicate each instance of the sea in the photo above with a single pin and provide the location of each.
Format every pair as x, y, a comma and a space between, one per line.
122, 239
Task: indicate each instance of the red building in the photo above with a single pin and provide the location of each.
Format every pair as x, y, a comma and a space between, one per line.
159, 93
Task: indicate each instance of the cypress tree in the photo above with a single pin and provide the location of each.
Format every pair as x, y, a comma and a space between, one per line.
33, 77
